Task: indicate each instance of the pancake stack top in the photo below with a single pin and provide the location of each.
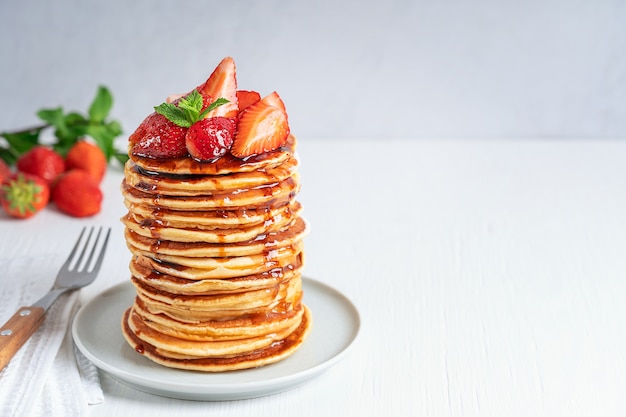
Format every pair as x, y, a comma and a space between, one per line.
215, 231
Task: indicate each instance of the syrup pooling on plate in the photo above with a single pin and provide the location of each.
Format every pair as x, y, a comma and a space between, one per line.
216, 243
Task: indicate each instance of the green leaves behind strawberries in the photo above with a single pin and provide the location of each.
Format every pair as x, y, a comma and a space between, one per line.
189, 109
69, 128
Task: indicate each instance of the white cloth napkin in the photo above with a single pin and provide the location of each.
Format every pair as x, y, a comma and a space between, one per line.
48, 376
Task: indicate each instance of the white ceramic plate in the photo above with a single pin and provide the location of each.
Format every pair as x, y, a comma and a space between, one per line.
97, 333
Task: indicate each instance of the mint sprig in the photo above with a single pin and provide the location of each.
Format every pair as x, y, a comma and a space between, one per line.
68, 128
189, 109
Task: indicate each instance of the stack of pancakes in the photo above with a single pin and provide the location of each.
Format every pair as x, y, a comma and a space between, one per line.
217, 260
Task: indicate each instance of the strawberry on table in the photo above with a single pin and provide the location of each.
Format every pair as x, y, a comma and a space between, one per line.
22, 195
76, 193
262, 127
88, 157
209, 139
42, 162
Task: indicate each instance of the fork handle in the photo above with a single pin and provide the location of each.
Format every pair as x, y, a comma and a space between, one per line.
17, 330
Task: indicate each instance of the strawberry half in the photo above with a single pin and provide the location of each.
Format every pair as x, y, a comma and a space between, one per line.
262, 127
222, 83
157, 137
247, 98
209, 139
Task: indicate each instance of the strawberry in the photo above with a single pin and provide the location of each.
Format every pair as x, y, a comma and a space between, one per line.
262, 127
246, 98
22, 195
209, 139
42, 162
76, 193
222, 83
157, 137
275, 100
88, 157
5, 171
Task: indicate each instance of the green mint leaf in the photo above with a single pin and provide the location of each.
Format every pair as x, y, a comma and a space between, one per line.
75, 119
103, 138
51, 116
193, 102
220, 101
114, 127
173, 114
188, 109
191, 106
101, 105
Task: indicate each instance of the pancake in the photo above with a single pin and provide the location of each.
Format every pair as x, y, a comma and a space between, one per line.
151, 227
223, 166
176, 285
269, 195
263, 242
271, 354
191, 185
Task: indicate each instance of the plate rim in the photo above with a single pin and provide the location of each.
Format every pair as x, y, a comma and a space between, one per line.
219, 391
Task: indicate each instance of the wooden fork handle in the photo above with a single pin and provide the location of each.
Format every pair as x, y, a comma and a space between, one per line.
17, 330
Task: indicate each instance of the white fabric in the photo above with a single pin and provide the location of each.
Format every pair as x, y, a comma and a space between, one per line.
46, 377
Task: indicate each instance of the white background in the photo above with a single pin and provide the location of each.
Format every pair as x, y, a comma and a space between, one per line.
404, 69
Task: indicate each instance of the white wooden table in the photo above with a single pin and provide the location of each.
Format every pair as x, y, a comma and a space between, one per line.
490, 277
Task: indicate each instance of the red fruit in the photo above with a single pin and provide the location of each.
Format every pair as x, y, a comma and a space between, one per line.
156, 137
5, 171
42, 162
262, 127
22, 195
275, 100
76, 193
222, 83
88, 157
209, 139
246, 98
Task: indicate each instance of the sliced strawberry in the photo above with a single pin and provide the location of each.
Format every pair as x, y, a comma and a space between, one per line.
222, 83
156, 137
275, 100
209, 139
246, 98
262, 127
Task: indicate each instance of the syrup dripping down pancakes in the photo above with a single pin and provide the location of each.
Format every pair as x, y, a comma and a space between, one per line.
217, 258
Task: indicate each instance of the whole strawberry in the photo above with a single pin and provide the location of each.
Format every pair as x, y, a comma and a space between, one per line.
76, 193
23, 195
209, 139
88, 157
42, 162
157, 137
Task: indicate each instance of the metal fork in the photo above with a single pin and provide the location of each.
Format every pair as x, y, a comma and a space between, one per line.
76, 272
